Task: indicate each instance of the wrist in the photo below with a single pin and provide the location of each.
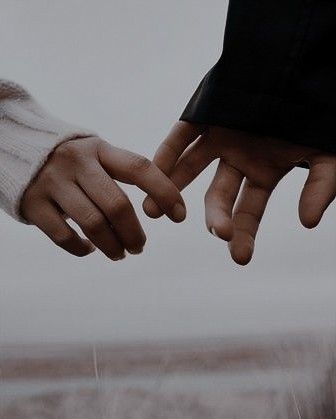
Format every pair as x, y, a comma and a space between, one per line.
28, 135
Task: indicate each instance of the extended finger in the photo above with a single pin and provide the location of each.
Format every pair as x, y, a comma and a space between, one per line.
247, 216
319, 190
170, 150
193, 161
179, 138
132, 168
115, 205
75, 203
48, 219
220, 199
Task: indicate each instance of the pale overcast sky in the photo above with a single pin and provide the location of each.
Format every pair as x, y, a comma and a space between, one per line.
126, 68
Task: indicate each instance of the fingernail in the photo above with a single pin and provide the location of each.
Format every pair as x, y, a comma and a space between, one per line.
213, 231
179, 212
135, 251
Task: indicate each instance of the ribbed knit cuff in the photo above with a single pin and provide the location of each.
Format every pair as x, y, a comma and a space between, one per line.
28, 134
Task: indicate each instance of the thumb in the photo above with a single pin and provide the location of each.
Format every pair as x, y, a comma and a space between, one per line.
170, 150
319, 190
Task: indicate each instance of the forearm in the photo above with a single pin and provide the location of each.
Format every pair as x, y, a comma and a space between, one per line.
28, 134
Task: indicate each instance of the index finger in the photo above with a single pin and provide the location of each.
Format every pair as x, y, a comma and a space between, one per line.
170, 150
172, 147
131, 168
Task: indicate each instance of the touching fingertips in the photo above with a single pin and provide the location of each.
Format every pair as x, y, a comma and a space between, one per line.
177, 214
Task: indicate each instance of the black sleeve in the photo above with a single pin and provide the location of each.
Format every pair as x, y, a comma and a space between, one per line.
277, 73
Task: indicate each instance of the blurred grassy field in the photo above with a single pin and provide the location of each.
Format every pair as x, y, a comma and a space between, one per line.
250, 378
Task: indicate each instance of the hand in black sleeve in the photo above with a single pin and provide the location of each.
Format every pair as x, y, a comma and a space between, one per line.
250, 167
268, 105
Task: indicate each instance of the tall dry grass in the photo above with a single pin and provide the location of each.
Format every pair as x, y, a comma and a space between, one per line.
319, 403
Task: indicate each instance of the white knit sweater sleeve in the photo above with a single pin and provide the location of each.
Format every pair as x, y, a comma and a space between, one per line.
28, 134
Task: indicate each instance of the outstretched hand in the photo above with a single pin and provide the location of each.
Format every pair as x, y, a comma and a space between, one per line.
79, 182
249, 169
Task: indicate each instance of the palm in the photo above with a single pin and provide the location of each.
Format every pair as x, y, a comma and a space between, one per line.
249, 169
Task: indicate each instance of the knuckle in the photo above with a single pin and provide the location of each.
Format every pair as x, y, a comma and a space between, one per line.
48, 176
93, 222
68, 150
31, 199
91, 171
30, 210
248, 216
77, 150
140, 163
120, 206
101, 144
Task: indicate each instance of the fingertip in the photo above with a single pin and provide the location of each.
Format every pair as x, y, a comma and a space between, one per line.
310, 221
241, 258
86, 249
82, 252
179, 213
318, 192
309, 217
138, 248
118, 258
136, 251
90, 246
241, 254
151, 209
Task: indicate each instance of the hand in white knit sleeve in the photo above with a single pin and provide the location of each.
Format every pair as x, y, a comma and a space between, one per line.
78, 181
49, 173
28, 134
